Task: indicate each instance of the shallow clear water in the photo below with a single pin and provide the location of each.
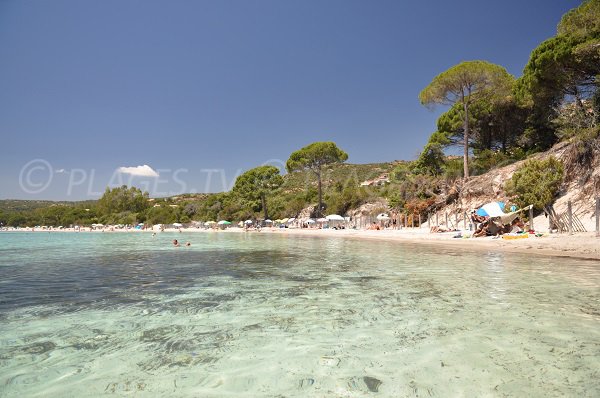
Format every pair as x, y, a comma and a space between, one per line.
94, 314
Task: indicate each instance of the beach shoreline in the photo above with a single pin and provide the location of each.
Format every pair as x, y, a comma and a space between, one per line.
581, 245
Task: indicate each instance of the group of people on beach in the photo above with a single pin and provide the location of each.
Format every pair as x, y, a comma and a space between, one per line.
490, 226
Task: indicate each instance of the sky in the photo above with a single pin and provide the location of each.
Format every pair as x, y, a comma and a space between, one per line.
183, 96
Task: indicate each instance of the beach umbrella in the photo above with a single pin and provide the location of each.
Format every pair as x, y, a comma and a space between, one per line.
248, 222
267, 221
291, 219
310, 221
321, 219
383, 217
177, 225
492, 209
141, 224
284, 220
209, 223
224, 222
334, 217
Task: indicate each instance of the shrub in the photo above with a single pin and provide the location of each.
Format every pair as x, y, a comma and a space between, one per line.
453, 169
537, 182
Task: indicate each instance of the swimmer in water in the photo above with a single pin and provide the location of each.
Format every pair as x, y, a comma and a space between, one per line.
175, 243
188, 244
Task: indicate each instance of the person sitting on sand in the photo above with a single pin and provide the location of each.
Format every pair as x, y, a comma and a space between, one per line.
175, 243
481, 229
374, 226
517, 226
477, 219
488, 228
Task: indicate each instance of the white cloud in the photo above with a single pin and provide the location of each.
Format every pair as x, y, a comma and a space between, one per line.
141, 171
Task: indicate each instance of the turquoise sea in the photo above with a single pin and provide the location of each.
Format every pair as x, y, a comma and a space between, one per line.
258, 315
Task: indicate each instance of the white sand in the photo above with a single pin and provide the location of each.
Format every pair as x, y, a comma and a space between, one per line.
581, 245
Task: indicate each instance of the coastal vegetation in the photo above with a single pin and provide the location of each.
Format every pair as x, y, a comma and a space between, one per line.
494, 118
536, 183
314, 157
255, 185
463, 85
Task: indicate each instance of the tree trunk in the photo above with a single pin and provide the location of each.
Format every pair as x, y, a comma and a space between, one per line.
264, 205
466, 138
320, 205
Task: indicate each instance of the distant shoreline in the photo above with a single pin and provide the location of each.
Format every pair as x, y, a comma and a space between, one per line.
581, 245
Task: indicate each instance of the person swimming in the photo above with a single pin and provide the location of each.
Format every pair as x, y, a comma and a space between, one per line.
175, 243
188, 244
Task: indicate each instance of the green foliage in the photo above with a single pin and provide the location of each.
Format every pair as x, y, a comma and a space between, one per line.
190, 210
583, 21
54, 214
409, 190
163, 214
431, 161
300, 189
450, 126
313, 157
487, 160
402, 172
395, 199
441, 137
496, 123
287, 205
256, 184
16, 220
560, 70
453, 169
339, 202
122, 199
464, 84
578, 121
537, 182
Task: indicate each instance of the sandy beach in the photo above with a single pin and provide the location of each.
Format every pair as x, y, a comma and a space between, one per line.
580, 245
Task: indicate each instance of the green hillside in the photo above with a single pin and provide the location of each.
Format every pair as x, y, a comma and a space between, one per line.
16, 205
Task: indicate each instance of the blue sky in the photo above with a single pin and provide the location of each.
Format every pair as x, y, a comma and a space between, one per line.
202, 90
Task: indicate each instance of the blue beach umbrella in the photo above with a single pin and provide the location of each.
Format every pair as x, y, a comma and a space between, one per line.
492, 209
